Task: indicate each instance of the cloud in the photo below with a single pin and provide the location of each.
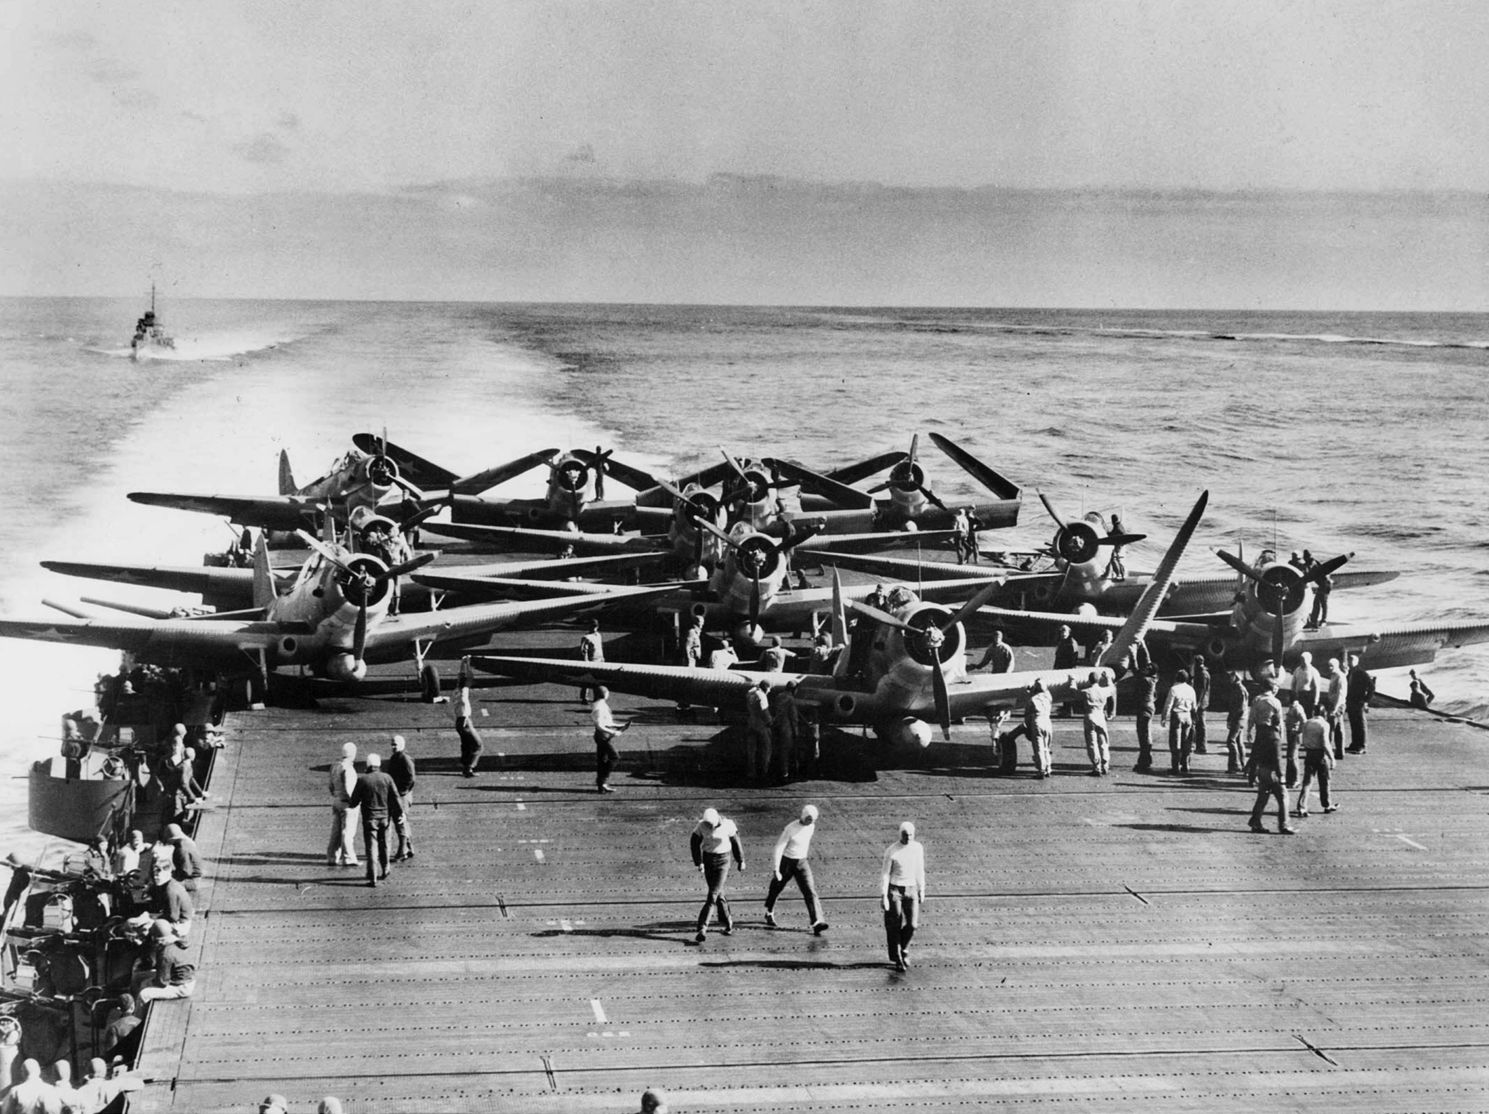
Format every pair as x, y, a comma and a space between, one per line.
264, 148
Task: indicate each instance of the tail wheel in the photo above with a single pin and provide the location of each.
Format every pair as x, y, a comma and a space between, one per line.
429, 683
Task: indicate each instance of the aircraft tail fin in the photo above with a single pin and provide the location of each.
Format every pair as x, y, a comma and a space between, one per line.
1147, 606
839, 612
286, 477
264, 590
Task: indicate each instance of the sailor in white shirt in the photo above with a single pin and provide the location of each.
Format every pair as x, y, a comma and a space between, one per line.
902, 892
789, 860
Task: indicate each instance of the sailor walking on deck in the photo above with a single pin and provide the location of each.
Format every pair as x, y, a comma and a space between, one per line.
341, 851
901, 893
788, 861
714, 840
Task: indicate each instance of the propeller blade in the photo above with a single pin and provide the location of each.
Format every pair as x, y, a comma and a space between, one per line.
414, 521
324, 550
1279, 635
755, 599
943, 701
881, 487
704, 524
409, 489
839, 612
968, 608
1239, 565
1122, 539
914, 447
408, 566
1328, 567
740, 472
359, 636
930, 497
881, 616
1060, 522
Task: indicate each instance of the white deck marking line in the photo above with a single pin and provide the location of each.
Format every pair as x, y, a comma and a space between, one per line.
538, 853
594, 1004
521, 807
1411, 843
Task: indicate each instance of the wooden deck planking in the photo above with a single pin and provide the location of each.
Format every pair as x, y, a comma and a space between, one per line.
1078, 930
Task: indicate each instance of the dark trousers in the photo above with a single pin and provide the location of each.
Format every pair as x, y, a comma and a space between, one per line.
900, 921
375, 834
1359, 725
606, 756
470, 744
1269, 787
1144, 741
1315, 765
1199, 728
801, 870
715, 873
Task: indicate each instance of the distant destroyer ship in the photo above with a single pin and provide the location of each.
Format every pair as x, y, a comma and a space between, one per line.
150, 337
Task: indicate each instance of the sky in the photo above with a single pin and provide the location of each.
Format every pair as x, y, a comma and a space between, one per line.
642, 114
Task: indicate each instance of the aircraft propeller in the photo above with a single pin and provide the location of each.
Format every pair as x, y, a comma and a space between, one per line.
908, 476
929, 639
1078, 542
756, 556
1280, 588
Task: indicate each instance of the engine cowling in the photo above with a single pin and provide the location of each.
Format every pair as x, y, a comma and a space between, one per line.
907, 732
345, 667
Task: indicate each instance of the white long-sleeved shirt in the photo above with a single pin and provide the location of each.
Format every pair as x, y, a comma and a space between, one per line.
904, 865
343, 780
1181, 699
600, 714
795, 842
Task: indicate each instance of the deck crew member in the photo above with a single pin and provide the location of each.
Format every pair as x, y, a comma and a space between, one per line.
1421, 696
901, 893
1266, 761
403, 772
341, 851
606, 729
1039, 725
1178, 713
1233, 701
186, 860
1332, 706
785, 725
1201, 683
1318, 762
714, 840
377, 797
1147, 708
174, 975
757, 731
592, 649
789, 860
1359, 688
1306, 683
470, 738
1098, 699
999, 654
1293, 718
1264, 724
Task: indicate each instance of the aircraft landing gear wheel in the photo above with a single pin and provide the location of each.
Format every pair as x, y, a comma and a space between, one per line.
429, 684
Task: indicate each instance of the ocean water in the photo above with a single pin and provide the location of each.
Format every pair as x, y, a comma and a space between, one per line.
1336, 432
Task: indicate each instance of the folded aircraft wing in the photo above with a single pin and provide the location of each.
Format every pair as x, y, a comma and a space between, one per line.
667, 682
222, 586
415, 469
273, 512
1392, 645
874, 542
451, 629
165, 642
525, 540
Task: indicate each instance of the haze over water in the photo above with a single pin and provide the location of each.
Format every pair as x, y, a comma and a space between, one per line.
1333, 432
